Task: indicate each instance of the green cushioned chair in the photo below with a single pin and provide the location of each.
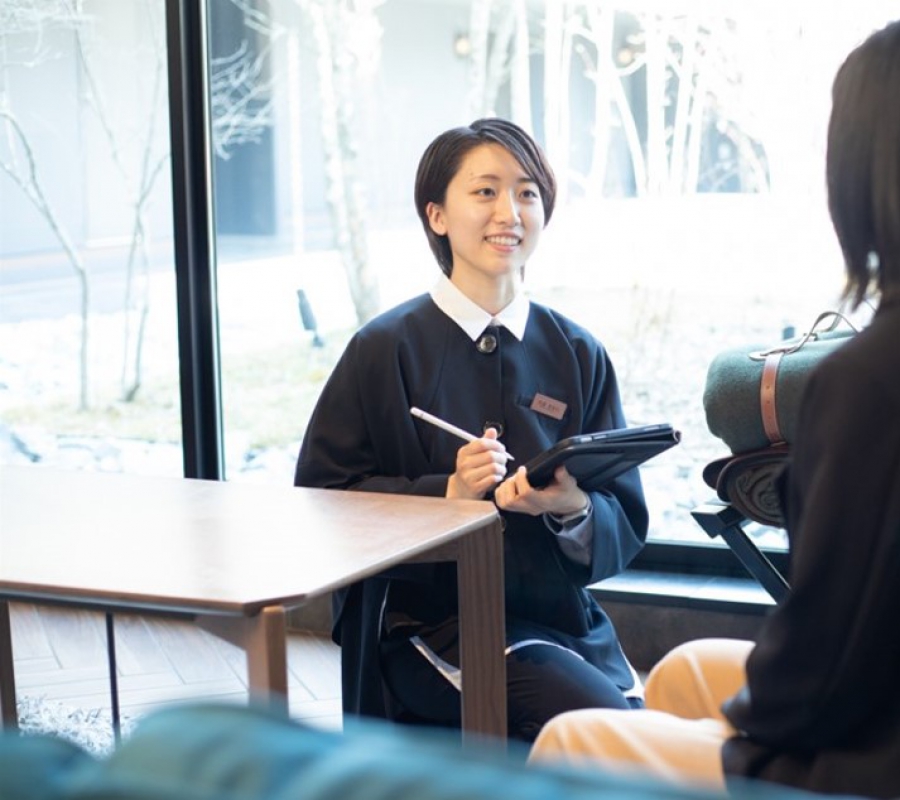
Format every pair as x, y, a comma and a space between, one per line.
231, 752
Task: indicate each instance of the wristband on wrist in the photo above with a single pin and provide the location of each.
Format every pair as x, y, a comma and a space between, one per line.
572, 519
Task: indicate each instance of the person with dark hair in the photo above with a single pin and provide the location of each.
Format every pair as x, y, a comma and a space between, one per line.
814, 703
477, 353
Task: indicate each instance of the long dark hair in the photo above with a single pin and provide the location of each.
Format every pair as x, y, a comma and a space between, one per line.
863, 165
442, 160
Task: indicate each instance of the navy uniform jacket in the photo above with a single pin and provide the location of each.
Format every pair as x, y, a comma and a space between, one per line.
361, 436
821, 709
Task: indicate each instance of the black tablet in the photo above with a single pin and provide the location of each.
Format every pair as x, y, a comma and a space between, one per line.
594, 459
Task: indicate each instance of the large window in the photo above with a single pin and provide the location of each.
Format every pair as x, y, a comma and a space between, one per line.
88, 349
687, 136
688, 139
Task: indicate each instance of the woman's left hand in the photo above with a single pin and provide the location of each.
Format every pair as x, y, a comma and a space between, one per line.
560, 497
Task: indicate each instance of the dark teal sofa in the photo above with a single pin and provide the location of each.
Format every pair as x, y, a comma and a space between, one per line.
238, 753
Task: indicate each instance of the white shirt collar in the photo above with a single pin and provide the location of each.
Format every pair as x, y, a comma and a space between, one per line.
472, 318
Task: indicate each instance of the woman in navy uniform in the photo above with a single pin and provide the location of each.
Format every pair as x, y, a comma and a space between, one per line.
477, 353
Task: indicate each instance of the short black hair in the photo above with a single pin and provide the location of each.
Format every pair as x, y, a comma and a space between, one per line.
443, 157
863, 165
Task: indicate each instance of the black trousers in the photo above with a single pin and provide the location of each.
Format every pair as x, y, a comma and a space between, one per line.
542, 679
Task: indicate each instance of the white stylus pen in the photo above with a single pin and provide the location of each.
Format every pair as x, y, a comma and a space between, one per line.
446, 426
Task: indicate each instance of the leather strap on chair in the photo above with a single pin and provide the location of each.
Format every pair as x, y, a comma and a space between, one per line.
767, 397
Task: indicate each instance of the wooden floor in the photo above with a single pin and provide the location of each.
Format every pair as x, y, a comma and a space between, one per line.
60, 656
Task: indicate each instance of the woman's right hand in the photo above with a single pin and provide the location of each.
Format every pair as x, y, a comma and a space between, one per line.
480, 466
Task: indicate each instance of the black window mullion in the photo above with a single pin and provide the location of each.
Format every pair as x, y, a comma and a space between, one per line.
198, 328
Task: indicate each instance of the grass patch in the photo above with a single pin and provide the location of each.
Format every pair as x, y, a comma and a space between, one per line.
267, 397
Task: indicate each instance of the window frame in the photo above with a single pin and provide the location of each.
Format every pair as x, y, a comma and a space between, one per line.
195, 254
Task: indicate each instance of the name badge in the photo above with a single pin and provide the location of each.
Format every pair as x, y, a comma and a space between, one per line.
548, 406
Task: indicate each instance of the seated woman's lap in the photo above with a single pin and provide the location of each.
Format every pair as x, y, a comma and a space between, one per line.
543, 681
645, 742
695, 678
678, 737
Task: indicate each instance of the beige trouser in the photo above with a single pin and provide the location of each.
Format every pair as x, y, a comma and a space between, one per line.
677, 738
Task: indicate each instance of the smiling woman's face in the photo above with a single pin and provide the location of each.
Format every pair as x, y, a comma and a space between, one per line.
492, 215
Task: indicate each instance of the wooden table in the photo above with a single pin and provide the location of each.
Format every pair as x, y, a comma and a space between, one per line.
236, 556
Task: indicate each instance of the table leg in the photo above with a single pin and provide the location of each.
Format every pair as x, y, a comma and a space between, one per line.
264, 638
8, 713
113, 677
482, 632
267, 655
